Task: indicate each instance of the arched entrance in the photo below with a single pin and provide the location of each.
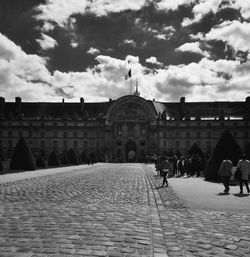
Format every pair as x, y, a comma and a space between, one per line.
130, 151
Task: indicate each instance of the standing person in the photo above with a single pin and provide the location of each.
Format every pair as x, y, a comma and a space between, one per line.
166, 168
225, 172
244, 166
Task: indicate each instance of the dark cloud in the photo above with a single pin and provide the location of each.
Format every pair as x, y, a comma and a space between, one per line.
19, 25
108, 34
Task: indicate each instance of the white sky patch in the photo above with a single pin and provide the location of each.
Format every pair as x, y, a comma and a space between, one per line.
74, 44
192, 47
129, 42
46, 42
22, 74
172, 5
161, 36
199, 35
93, 51
153, 60
234, 33
59, 11
27, 76
244, 6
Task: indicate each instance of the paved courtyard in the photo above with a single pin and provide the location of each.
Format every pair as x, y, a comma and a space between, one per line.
111, 210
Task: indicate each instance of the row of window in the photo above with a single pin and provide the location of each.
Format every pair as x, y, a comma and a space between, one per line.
55, 144
54, 134
244, 134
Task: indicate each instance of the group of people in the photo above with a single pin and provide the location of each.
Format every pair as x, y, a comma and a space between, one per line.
178, 166
242, 170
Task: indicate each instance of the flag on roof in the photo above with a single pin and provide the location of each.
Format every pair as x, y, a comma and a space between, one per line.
128, 75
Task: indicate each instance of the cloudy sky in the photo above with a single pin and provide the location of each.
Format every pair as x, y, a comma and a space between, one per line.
54, 49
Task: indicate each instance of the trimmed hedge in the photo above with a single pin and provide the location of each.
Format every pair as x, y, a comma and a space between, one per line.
195, 149
226, 147
40, 162
64, 158
22, 158
73, 158
54, 159
85, 157
247, 151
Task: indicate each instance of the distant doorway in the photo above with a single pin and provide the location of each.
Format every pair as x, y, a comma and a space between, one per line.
130, 150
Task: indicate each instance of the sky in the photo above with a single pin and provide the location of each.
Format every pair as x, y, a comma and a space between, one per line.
54, 49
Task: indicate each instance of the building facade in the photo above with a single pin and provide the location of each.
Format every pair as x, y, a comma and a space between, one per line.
127, 129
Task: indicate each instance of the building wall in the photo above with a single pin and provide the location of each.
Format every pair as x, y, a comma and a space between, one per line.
102, 134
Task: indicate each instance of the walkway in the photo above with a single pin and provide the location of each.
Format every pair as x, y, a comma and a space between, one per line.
111, 210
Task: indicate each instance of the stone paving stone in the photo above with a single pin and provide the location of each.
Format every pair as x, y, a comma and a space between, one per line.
108, 209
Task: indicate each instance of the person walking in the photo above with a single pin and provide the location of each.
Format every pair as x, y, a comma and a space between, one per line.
244, 166
225, 172
166, 168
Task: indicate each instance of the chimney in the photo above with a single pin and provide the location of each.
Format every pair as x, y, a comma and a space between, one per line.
81, 104
18, 105
182, 107
2, 103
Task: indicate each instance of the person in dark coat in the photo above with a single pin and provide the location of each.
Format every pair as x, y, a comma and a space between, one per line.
225, 172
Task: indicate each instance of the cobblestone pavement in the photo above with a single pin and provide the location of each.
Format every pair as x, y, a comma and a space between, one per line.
112, 210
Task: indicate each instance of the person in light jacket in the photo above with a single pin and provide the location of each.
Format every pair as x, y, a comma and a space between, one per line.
225, 172
244, 166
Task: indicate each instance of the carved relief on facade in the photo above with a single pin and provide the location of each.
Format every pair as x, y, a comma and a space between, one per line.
131, 111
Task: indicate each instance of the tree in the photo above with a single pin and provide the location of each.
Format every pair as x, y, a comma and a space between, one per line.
247, 151
226, 147
195, 149
85, 157
64, 158
54, 159
1, 166
22, 158
40, 162
73, 159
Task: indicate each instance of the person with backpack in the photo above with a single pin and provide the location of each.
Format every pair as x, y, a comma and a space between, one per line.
244, 167
225, 172
166, 168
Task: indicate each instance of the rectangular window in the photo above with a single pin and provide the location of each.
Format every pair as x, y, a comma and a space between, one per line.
198, 134
55, 134
85, 134
20, 133
65, 134
208, 134
187, 134
164, 134
177, 144
75, 134
10, 144
10, 134
65, 144
42, 143
75, 144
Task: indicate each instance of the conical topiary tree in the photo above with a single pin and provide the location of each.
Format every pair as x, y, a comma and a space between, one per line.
22, 157
85, 157
40, 162
226, 147
247, 151
73, 159
195, 149
64, 158
54, 159
1, 167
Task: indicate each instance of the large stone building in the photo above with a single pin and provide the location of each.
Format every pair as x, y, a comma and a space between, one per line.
127, 128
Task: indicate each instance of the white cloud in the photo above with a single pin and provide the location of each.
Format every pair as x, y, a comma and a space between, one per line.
244, 6
93, 51
27, 76
153, 60
234, 33
129, 42
192, 47
46, 42
59, 11
172, 5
